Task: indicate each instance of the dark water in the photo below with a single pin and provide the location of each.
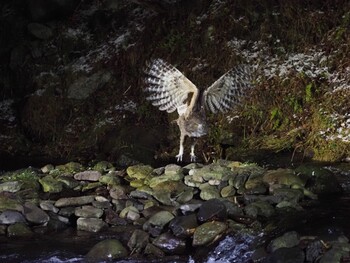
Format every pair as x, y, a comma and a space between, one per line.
330, 216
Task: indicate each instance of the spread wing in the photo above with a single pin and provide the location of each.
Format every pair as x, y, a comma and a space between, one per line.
169, 89
227, 91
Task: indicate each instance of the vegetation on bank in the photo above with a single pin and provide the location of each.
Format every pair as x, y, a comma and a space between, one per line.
81, 97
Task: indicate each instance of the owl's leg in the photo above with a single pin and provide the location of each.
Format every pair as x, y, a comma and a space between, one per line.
193, 156
181, 150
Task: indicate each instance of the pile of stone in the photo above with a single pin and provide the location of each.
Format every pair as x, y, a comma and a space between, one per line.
170, 210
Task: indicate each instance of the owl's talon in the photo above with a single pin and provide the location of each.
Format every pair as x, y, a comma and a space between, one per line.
193, 158
179, 158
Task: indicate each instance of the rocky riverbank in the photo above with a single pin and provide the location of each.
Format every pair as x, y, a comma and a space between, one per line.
183, 212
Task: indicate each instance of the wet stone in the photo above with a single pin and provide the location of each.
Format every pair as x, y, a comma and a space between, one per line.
19, 230
213, 209
152, 250
88, 212
288, 240
10, 217
172, 169
106, 250
183, 226
130, 212
88, 176
208, 192
118, 192
75, 201
112, 218
170, 244
90, 224
139, 171
34, 214
50, 184
208, 232
287, 194
11, 187
101, 205
67, 211
68, 182
110, 179
138, 241
157, 222
259, 208
282, 176
287, 255
48, 205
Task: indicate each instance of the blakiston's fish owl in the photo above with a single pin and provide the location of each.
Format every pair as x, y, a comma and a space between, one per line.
170, 90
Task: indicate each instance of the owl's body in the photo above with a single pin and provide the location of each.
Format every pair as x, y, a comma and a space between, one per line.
170, 90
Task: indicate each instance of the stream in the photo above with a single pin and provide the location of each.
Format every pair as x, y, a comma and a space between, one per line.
330, 217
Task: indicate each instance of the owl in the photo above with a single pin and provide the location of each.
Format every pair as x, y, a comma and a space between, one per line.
169, 90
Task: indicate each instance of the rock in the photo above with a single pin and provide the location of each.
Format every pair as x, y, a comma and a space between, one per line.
138, 241
34, 214
338, 251
39, 31
259, 208
50, 185
286, 194
118, 192
67, 211
130, 212
282, 176
102, 205
190, 206
48, 205
155, 224
154, 251
287, 255
19, 230
157, 180
287, 240
103, 166
10, 217
91, 186
212, 209
69, 168
139, 171
110, 179
93, 176
88, 211
320, 181
112, 218
183, 226
172, 170
90, 224
47, 168
75, 201
67, 181
314, 250
228, 191
254, 181
106, 250
170, 244
208, 232
208, 192
11, 187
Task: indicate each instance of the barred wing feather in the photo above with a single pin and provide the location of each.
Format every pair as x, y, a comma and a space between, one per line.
228, 90
169, 89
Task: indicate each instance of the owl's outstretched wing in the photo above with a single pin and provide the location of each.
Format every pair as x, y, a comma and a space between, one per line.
169, 89
227, 91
